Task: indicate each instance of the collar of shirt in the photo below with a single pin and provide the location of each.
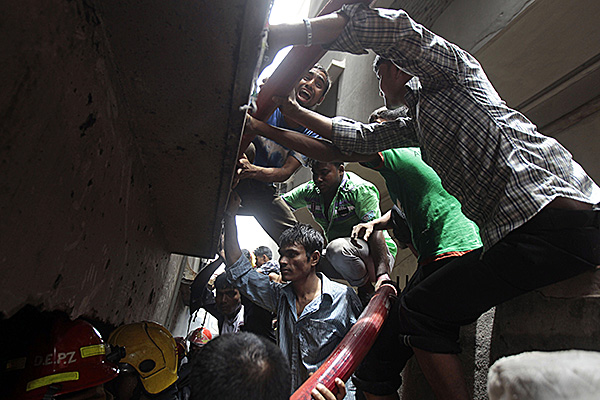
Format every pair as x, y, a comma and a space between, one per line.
233, 325
315, 304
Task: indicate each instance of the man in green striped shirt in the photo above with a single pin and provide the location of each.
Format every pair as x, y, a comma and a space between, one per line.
338, 200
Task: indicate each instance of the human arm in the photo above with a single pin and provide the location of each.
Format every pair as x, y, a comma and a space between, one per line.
380, 253
314, 148
254, 285
325, 29
365, 229
349, 136
296, 198
309, 119
232, 245
371, 232
247, 170
367, 209
389, 33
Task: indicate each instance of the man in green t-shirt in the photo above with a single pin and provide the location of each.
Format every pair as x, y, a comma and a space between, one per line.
338, 200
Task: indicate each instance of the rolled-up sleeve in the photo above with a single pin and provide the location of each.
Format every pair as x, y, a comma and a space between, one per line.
254, 285
352, 136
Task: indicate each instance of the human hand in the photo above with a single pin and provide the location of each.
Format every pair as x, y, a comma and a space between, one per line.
381, 279
245, 169
361, 231
287, 104
320, 392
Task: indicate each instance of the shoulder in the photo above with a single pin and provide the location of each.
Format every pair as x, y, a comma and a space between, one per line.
358, 186
334, 289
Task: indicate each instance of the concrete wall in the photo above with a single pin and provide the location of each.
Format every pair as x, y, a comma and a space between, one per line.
77, 229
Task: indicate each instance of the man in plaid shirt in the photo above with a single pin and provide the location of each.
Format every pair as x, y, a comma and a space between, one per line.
536, 208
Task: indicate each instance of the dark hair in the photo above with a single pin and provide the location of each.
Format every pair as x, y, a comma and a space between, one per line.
263, 251
312, 162
222, 283
240, 366
246, 253
305, 235
328, 80
388, 115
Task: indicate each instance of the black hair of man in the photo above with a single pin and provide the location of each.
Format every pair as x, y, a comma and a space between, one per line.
263, 251
312, 163
387, 114
304, 235
328, 82
222, 283
241, 366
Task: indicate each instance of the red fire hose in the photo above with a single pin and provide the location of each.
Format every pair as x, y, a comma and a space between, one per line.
287, 74
353, 348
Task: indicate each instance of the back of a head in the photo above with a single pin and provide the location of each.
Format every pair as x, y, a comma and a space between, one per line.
221, 282
305, 235
241, 366
263, 251
387, 114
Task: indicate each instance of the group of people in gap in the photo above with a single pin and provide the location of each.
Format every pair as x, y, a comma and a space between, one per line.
490, 207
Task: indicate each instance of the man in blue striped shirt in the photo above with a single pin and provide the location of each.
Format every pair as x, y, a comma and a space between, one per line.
536, 208
314, 313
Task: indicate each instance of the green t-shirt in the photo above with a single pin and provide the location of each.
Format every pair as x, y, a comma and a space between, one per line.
434, 217
356, 201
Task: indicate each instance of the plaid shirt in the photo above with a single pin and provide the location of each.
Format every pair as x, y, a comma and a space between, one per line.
490, 157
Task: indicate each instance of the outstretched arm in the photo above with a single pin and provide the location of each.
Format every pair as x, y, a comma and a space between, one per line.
314, 148
325, 29
232, 246
381, 255
247, 170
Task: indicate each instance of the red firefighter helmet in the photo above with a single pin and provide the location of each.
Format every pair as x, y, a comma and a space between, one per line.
200, 337
71, 356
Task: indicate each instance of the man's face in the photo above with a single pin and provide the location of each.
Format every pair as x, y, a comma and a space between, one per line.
311, 88
327, 177
391, 84
260, 260
228, 301
294, 263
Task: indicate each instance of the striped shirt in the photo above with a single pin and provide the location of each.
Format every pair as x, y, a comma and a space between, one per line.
489, 156
355, 201
309, 338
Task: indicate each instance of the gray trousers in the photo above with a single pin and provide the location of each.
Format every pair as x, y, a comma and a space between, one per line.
353, 263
